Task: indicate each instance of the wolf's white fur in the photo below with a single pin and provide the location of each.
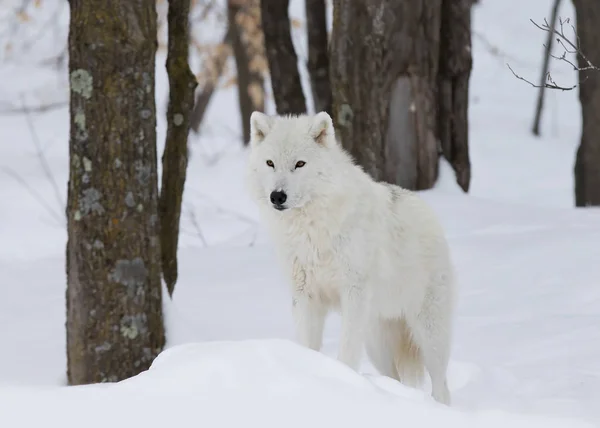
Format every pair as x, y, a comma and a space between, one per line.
373, 251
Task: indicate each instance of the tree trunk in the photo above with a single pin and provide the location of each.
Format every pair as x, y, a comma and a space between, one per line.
318, 57
248, 49
282, 59
114, 301
453, 87
182, 84
587, 164
542, 88
384, 66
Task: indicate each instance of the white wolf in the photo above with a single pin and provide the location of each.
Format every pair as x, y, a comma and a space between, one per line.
373, 251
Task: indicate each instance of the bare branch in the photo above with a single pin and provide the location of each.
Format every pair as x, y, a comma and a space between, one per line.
12, 173
196, 224
40, 154
563, 57
569, 47
551, 85
43, 108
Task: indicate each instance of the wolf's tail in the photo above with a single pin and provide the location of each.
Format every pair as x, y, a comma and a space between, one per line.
408, 356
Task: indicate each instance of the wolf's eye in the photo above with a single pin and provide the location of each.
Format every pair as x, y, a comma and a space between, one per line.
270, 163
300, 164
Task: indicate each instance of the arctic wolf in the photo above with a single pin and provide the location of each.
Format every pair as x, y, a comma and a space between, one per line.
373, 251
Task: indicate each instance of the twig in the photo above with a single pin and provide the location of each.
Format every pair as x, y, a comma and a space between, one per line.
37, 109
31, 190
497, 52
235, 215
254, 236
206, 8
569, 48
52, 21
551, 85
252, 242
196, 224
221, 210
40, 154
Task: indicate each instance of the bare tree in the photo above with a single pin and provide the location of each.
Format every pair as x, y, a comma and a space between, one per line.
282, 59
182, 84
248, 49
547, 54
114, 303
318, 56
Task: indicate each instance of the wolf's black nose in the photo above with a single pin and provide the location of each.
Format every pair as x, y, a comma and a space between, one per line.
278, 197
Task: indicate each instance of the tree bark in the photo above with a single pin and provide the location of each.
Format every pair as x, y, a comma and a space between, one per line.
384, 66
282, 59
587, 164
182, 84
114, 302
453, 87
543, 77
318, 56
248, 49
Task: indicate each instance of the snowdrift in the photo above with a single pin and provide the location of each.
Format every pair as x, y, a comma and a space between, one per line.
267, 384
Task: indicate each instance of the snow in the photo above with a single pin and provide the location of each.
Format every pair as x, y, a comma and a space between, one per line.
527, 344
273, 383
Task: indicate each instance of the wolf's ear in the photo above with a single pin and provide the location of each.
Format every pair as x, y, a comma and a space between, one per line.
260, 125
322, 128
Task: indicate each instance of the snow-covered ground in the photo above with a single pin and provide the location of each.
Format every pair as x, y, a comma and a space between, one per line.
527, 344
269, 383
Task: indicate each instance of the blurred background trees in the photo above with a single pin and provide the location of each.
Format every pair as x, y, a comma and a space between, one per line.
244, 20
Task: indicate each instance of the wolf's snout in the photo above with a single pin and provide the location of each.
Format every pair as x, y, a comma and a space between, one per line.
278, 198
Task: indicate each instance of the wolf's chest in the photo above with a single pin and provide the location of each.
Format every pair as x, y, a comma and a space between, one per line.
313, 250
316, 260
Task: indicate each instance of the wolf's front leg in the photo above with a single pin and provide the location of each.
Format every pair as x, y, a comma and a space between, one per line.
354, 318
309, 317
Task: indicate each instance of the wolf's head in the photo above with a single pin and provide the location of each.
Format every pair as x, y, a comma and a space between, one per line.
290, 161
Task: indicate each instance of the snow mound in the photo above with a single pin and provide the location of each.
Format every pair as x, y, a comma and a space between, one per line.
266, 383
